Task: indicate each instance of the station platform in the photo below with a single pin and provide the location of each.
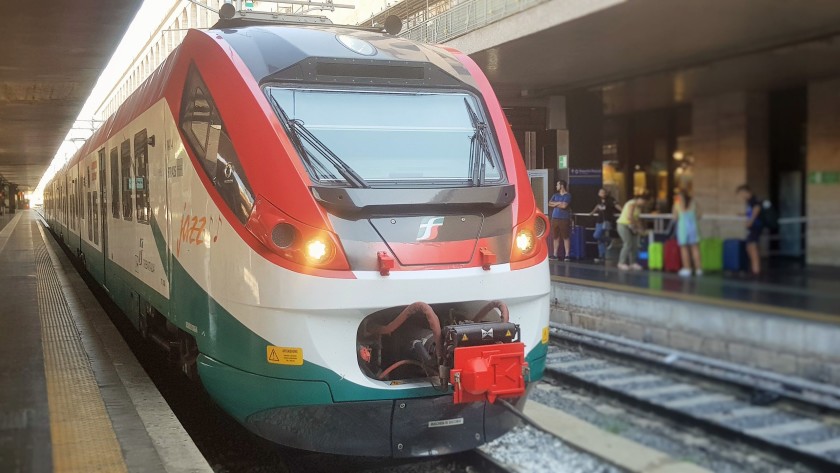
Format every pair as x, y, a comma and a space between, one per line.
796, 291
787, 320
73, 397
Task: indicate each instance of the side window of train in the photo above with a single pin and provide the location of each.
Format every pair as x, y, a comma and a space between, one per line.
89, 205
115, 184
126, 183
141, 176
207, 137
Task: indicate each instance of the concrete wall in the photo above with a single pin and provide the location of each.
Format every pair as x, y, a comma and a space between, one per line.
786, 345
822, 204
729, 139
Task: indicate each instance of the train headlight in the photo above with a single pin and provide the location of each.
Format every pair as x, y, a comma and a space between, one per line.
525, 241
540, 225
283, 234
317, 250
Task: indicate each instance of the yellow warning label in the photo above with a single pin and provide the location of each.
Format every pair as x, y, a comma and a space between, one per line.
464, 338
507, 334
545, 336
284, 355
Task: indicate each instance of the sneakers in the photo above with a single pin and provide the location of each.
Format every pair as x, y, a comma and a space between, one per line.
623, 267
698, 272
685, 273
636, 267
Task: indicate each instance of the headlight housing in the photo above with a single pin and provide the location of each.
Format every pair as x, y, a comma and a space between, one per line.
529, 238
293, 240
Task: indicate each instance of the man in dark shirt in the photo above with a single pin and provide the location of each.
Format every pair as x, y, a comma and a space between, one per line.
755, 226
605, 210
561, 218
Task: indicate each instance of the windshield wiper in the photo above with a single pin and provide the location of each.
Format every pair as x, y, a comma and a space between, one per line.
478, 146
320, 171
297, 130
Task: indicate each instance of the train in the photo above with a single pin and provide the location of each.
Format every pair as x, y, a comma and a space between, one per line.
331, 228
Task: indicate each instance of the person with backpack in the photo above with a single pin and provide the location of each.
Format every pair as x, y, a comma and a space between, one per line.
686, 215
561, 219
755, 226
605, 211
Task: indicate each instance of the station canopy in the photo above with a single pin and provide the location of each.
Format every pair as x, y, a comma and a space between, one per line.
52, 54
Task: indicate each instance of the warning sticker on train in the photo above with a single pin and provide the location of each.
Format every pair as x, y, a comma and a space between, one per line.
284, 355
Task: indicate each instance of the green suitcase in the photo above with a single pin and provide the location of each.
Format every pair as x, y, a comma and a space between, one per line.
656, 255
711, 254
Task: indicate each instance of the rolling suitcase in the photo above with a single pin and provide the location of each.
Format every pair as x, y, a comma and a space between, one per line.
656, 255
734, 255
577, 243
711, 254
673, 259
643, 254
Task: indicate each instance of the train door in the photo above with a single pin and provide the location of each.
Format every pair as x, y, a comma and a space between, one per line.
103, 214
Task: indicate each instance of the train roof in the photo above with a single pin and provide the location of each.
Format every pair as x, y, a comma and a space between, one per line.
292, 52
282, 53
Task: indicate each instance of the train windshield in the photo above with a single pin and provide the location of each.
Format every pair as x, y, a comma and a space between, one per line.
365, 138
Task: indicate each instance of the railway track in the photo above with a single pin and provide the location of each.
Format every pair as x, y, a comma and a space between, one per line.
727, 399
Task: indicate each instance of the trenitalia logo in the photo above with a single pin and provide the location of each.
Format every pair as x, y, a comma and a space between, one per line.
429, 227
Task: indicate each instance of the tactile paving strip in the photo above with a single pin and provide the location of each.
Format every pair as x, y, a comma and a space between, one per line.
83, 439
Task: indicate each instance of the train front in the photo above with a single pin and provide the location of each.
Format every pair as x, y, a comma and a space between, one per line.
417, 295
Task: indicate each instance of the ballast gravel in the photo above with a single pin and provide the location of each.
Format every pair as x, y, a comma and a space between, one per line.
528, 450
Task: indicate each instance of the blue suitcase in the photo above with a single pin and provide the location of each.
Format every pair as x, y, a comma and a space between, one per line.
734, 255
577, 243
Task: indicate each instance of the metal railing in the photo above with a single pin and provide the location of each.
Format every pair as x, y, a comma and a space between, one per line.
465, 17
660, 224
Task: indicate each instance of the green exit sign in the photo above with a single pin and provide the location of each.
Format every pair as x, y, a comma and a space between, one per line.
824, 177
562, 161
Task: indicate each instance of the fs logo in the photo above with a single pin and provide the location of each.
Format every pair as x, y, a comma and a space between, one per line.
429, 227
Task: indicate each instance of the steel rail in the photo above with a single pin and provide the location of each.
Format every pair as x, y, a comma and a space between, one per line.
614, 353
789, 387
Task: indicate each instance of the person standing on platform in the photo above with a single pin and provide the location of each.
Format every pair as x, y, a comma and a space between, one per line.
629, 228
688, 235
561, 218
605, 211
755, 226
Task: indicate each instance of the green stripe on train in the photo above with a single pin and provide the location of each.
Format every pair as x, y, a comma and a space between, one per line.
233, 365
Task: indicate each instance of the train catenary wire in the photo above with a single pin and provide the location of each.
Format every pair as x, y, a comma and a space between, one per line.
203, 213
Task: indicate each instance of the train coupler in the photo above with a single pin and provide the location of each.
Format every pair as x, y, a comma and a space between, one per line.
488, 361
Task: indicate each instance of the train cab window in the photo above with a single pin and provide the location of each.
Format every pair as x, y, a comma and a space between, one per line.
115, 184
393, 138
126, 182
207, 136
141, 176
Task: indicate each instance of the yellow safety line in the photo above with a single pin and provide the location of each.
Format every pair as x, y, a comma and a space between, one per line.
6, 232
83, 438
725, 303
